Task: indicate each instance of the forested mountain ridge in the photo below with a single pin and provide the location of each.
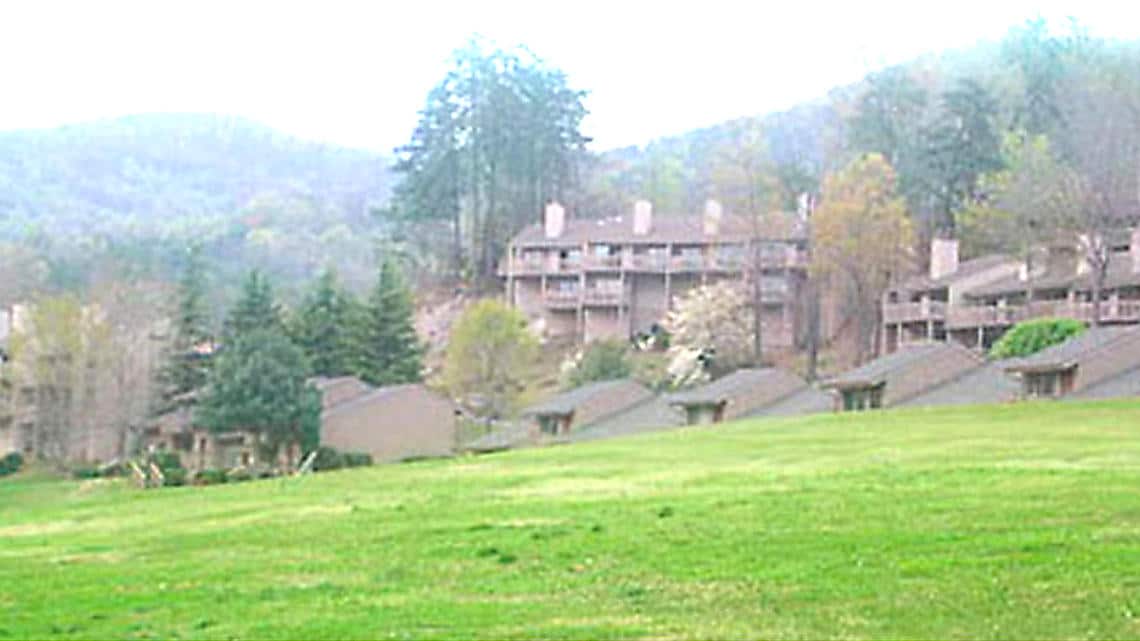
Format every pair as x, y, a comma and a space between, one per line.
147, 171
131, 194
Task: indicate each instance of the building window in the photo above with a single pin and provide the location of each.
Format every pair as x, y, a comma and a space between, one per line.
867, 398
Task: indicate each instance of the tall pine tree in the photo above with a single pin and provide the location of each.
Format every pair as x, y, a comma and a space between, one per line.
322, 325
388, 352
254, 310
187, 356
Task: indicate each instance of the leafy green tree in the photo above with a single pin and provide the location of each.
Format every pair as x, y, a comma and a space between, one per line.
388, 352
1016, 213
889, 120
322, 327
258, 385
255, 308
963, 144
1030, 337
488, 353
187, 366
499, 135
602, 360
1040, 61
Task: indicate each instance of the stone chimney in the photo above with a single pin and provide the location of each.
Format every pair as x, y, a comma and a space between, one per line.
554, 220
943, 257
1134, 249
713, 214
642, 217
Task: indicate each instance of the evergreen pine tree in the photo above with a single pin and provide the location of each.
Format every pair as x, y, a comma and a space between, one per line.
187, 363
321, 327
254, 310
388, 352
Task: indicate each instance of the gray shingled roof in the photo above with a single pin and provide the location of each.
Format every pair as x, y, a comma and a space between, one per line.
664, 229
726, 387
1072, 350
368, 397
986, 384
1122, 385
567, 402
808, 400
652, 415
965, 269
876, 371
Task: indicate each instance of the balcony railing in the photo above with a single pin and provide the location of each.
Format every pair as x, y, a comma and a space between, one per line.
928, 310
966, 316
562, 298
535, 265
687, 263
602, 263
647, 262
603, 297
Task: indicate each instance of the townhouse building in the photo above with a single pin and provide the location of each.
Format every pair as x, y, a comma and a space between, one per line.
585, 279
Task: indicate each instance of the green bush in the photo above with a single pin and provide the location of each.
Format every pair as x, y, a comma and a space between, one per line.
83, 472
1030, 337
174, 477
210, 477
603, 360
167, 461
357, 459
327, 459
11, 463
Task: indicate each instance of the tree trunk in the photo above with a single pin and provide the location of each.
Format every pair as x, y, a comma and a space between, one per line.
757, 305
812, 329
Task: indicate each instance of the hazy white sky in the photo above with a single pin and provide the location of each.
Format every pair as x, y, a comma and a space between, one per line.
357, 73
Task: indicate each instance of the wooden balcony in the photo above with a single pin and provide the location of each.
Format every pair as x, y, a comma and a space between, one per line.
687, 263
562, 299
603, 297
647, 262
968, 316
922, 311
602, 263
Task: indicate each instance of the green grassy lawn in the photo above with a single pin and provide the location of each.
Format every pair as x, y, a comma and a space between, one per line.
1013, 522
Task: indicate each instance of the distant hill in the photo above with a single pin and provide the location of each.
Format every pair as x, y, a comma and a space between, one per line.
139, 189
146, 171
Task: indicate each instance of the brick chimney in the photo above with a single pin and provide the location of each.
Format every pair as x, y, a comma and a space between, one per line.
642, 217
943, 257
713, 214
1134, 249
554, 220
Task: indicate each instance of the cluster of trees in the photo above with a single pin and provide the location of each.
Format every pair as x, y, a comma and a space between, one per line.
96, 371
498, 137
257, 380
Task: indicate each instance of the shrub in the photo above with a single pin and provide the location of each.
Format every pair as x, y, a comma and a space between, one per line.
11, 463
167, 461
83, 472
174, 477
1030, 337
357, 459
210, 477
602, 360
327, 459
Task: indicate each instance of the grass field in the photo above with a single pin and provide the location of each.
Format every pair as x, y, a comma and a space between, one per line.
999, 522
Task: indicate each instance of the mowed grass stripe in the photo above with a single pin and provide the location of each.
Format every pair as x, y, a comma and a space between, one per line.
988, 522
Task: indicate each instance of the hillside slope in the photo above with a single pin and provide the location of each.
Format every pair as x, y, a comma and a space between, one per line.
136, 191
147, 171
1017, 521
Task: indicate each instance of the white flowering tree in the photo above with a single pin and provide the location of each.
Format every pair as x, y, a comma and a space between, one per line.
710, 331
